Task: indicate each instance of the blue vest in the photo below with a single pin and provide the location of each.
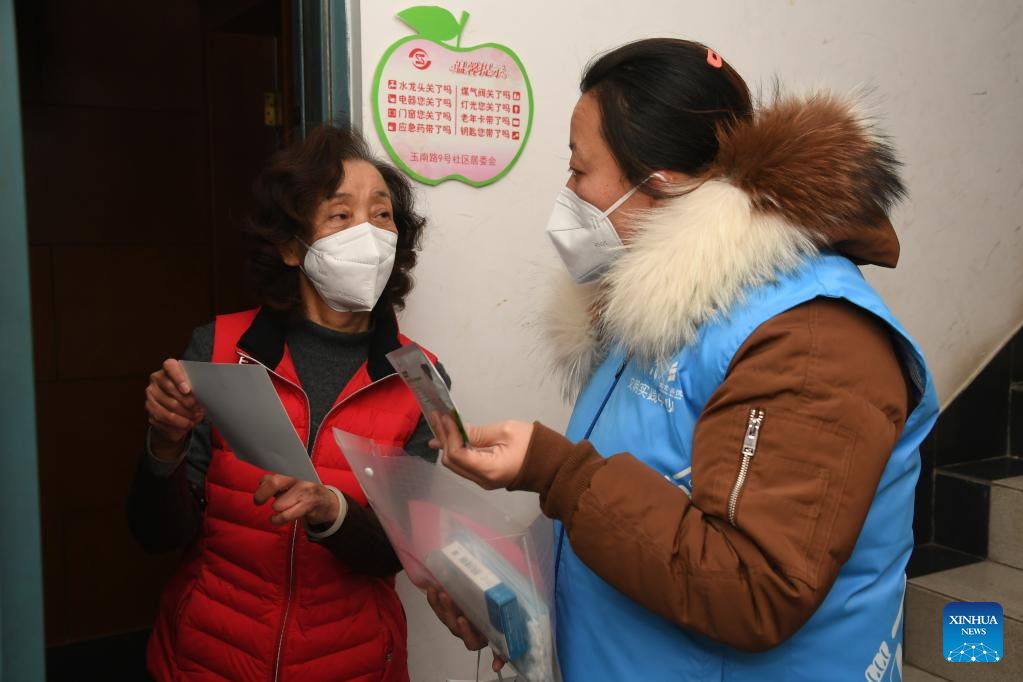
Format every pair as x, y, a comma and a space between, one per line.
626, 407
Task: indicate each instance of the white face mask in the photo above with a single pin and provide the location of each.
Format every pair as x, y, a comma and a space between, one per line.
583, 234
350, 268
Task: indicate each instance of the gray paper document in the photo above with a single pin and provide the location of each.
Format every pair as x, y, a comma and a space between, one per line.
244, 407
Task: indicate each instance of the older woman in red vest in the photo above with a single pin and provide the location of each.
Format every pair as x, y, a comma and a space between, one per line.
286, 579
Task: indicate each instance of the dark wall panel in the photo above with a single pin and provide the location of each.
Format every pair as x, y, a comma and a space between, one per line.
143, 131
116, 53
44, 349
121, 310
116, 176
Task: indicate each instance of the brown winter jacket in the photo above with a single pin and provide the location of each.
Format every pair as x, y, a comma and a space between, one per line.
826, 374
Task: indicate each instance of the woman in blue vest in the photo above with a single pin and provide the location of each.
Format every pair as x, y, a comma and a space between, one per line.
734, 494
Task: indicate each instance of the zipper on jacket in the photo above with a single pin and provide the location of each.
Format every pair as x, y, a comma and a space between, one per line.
287, 604
589, 432
749, 449
294, 525
603, 404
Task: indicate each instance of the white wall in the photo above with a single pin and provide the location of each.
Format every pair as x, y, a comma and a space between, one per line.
947, 75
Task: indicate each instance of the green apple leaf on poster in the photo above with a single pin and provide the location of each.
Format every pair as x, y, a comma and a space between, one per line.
447, 112
432, 22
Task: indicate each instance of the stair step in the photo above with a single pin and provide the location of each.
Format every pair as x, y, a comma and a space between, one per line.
968, 518
985, 470
932, 558
926, 597
1005, 530
913, 674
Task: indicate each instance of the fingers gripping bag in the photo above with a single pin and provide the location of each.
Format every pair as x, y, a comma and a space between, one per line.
491, 551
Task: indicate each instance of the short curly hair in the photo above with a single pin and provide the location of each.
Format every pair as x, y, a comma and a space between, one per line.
290, 188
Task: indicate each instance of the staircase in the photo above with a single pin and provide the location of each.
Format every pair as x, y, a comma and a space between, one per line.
969, 523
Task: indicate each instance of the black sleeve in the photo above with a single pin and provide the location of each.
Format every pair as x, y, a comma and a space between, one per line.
165, 503
362, 544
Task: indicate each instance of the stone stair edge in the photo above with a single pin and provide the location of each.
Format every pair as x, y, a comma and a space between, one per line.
1013, 611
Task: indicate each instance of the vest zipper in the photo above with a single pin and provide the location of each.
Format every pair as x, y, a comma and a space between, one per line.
331, 411
319, 431
589, 432
748, 450
287, 604
294, 525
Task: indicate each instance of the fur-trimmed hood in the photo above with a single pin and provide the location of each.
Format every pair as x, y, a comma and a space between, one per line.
802, 175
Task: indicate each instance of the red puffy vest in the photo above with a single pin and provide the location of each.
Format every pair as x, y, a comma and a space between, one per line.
254, 601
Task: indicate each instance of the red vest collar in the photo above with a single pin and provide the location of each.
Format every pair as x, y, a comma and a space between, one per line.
264, 339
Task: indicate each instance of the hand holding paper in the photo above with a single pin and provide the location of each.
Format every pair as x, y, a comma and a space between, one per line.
426, 384
294, 499
495, 454
247, 411
173, 410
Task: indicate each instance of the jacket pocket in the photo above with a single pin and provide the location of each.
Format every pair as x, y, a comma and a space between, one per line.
182, 610
391, 631
781, 490
179, 614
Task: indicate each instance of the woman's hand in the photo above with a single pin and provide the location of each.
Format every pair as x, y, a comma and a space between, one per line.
496, 453
460, 627
173, 410
295, 499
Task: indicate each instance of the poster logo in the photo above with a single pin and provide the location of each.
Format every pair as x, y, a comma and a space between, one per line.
972, 632
420, 59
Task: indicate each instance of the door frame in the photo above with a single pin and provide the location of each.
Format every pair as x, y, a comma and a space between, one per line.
21, 585
328, 62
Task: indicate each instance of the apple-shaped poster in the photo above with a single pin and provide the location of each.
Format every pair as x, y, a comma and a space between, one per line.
447, 112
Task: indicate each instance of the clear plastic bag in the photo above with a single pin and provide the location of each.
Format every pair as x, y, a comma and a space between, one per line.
491, 551
501, 675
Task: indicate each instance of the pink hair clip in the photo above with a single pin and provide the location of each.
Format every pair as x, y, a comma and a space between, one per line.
714, 59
